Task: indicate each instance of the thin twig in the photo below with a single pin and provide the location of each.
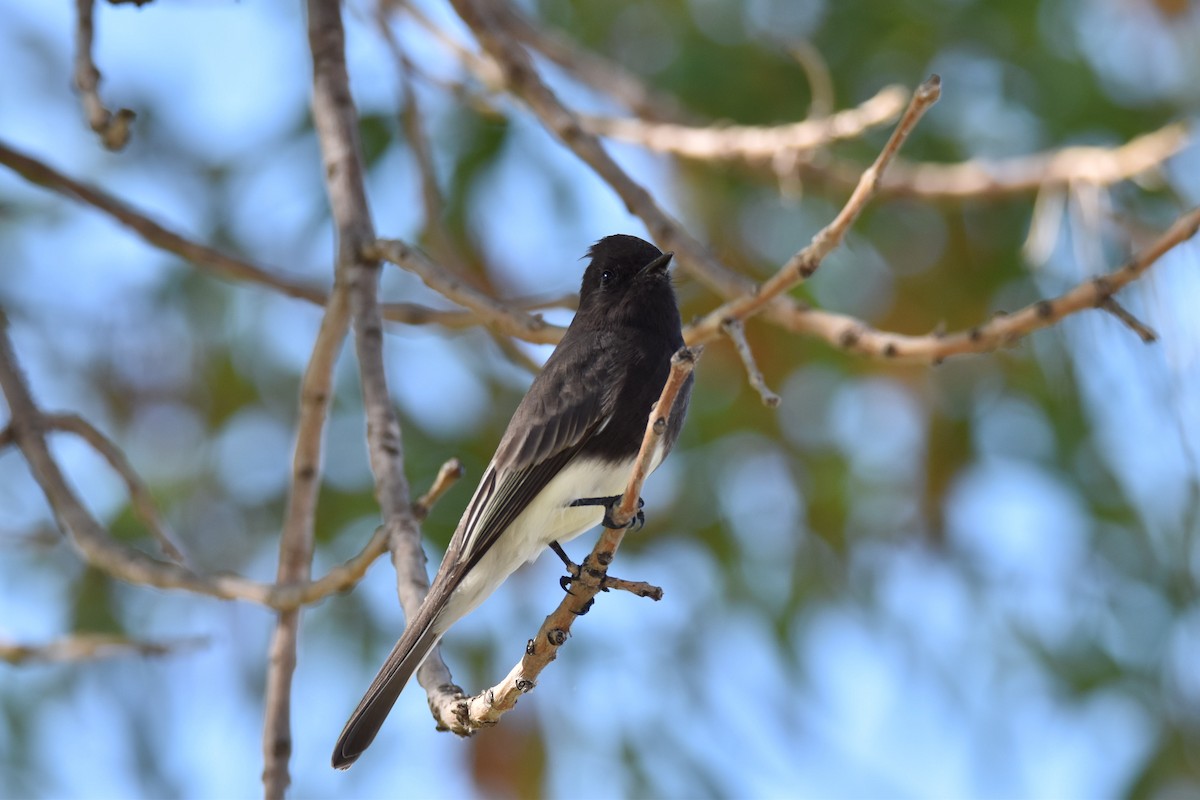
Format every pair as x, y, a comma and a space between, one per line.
140, 498
485, 70
637, 588
90, 647
804, 263
492, 312
464, 715
452, 276
604, 75
820, 81
753, 143
113, 128
447, 476
982, 179
1144, 331
298, 532
27, 427
854, 336
217, 262
411, 119
735, 329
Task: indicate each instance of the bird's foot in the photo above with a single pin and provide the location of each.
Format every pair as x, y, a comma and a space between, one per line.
573, 569
573, 572
610, 505
606, 581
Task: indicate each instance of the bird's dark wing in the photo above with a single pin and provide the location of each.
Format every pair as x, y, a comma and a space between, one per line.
561, 411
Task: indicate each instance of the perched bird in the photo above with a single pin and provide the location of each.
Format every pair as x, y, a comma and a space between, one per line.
564, 459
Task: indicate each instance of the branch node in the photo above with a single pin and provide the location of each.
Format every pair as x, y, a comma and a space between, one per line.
850, 337
736, 331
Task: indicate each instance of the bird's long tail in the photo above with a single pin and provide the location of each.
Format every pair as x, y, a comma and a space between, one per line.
415, 643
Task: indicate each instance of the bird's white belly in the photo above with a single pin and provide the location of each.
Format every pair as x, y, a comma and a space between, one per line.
548, 518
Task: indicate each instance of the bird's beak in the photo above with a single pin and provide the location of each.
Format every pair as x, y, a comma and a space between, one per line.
659, 264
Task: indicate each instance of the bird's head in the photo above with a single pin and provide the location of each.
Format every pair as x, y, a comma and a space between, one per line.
626, 273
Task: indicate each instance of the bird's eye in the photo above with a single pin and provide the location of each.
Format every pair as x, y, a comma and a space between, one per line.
606, 277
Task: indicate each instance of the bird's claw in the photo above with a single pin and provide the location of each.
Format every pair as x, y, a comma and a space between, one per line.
610, 504
573, 569
579, 612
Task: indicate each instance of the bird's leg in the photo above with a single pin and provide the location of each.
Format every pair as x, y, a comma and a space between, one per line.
606, 581
610, 505
573, 569
573, 572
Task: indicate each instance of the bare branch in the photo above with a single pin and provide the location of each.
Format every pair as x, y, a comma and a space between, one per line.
481, 66
141, 500
296, 539
735, 329
336, 122
855, 336
981, 179
820, 81
602, 74
27, 428
411, 119
1144, 332
804, 263
753, 143
492, 312
208, 258
451, 277
90, 647
113, 128
464, 715
447, 476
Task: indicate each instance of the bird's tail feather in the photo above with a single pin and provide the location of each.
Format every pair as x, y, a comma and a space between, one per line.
414, 646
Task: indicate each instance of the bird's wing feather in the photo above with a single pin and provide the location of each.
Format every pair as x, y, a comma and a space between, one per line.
553, 422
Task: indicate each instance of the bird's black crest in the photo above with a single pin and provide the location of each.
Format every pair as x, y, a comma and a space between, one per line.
623, 248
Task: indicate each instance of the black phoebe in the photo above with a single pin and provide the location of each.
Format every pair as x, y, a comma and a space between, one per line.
574, 437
